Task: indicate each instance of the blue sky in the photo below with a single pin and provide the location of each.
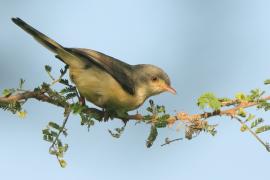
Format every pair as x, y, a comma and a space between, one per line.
220, 46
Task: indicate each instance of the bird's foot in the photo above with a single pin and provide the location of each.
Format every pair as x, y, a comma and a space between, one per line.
107, 115
82, 101
124, 116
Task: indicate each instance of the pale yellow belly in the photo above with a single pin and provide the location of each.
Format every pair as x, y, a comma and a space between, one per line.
103, 90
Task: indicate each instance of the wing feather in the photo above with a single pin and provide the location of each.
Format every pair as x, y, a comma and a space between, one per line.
120, 71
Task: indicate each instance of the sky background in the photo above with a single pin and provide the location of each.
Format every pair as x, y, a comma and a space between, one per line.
219, 46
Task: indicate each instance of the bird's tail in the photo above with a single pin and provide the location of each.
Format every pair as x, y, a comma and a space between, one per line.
50, 44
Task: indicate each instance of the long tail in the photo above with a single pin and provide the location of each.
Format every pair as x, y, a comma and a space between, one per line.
50, 44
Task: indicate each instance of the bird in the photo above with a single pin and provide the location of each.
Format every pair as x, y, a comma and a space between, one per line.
107, 82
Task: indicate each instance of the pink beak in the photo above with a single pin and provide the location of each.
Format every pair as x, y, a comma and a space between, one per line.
170, 89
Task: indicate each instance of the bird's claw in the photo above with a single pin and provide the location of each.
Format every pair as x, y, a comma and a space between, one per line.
82, 101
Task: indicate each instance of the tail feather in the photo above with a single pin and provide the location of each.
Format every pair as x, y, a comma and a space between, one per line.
49, 43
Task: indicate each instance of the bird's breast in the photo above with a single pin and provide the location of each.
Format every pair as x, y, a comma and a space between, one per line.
100, 88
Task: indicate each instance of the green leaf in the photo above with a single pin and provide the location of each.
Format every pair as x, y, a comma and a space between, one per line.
262, 129
77, 108
64, 81
54, 134
209, 100
46, 132
48, 68
161, 109
87, 120
71, 89
152, 137
256, 122
60, 145
71, 95
255, 95
55, 125
22, 81
241, 96
22, 114
52, 152
8, 92
65, 147
241, 112
162, 121
266, 82
48, 138
119, 132
149, 109
250, 117
244, 128
63, 163
211, 129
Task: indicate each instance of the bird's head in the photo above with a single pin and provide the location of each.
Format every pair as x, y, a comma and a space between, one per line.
152, 80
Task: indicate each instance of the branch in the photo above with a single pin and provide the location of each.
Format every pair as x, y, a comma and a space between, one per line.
14, 99
168, 141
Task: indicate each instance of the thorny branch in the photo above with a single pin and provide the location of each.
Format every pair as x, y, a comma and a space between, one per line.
158, 118
181, 116
194, 120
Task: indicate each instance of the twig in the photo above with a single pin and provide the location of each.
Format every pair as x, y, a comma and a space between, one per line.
253, 133
168, 141
60, 77
62, 127
67, 114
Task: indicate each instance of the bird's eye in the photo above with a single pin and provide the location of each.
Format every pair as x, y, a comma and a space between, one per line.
154, 79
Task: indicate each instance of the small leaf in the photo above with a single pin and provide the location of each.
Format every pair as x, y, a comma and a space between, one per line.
77, 108
267, 82
48, 138
152, 137
119, 132
149, 109
256, 122
161, 109
48, 68
46, 132
262, 129
65, 147
211, 129
241, 112
64, 81
63, 163
71, 95
250, 117
52, 152
244, 128
255, 95
54, 125
22, 81
8, 92
209, 100
151, 102
54, 134
241, 96
22, 114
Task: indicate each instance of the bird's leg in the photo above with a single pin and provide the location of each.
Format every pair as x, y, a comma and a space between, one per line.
107, 115
124, 116
81, 100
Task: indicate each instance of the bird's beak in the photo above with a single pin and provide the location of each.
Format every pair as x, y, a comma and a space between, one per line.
170, 89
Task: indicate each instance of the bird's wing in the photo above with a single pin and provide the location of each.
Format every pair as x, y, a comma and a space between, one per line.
120, 71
